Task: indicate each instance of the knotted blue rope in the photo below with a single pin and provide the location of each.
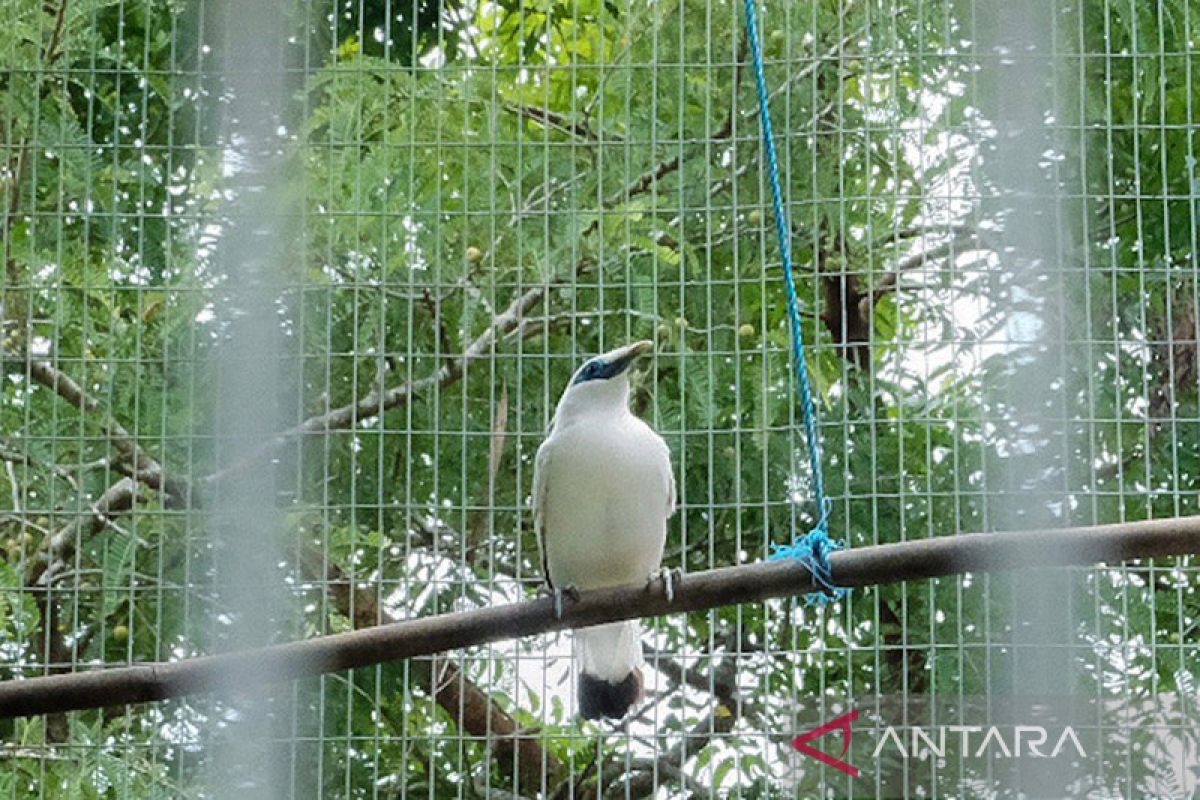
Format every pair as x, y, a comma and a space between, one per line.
813, 549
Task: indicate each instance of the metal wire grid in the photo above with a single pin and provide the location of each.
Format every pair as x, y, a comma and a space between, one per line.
406, 514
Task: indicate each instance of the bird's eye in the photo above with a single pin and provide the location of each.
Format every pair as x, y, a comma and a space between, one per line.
590, 371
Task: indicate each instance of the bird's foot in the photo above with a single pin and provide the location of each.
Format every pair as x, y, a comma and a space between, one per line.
560, 594
669, 576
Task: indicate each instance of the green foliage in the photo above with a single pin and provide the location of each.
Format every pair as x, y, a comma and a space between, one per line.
607, 151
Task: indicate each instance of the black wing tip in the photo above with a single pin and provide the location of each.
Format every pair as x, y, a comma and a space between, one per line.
600, 698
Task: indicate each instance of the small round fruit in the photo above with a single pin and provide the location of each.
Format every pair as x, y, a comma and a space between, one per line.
755, 217
746, 330
663, 331
120, 633
474, 254
681, 323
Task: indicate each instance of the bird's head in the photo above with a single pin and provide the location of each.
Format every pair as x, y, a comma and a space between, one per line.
603, 381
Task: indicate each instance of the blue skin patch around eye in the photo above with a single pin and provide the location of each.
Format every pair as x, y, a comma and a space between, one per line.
592, 371
597, 369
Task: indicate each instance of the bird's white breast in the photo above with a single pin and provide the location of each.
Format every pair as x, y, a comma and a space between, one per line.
608, 496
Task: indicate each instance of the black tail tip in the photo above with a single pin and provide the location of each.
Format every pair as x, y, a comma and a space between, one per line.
600, 698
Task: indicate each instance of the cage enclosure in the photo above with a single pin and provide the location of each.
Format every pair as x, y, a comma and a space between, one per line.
292, 289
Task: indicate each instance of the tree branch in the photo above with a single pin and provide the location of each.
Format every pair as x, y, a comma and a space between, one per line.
551, 119
119, 498
1175, 355
720, 683
652, 176
641, 779
58, 549
377, 401
863, 566
18, 170
143, 466
809, 70
890, 282
465, 702
648, 179
727, 709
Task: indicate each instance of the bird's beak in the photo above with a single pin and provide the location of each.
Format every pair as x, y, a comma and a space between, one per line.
625, 357
639, 348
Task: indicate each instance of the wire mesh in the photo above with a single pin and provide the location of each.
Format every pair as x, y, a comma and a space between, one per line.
994, 214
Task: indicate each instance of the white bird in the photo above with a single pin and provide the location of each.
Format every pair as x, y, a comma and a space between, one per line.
603, 490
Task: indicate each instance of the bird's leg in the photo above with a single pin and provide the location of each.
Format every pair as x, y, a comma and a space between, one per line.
668, 576
566, 591
560, 594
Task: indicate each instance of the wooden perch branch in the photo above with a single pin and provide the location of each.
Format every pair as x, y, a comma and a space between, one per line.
862, 566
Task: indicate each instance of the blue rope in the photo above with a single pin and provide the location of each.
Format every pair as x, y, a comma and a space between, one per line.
812, 549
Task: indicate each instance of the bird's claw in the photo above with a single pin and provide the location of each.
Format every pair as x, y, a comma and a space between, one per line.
668, 576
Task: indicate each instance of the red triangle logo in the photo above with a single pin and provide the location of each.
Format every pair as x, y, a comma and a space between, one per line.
842, 724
